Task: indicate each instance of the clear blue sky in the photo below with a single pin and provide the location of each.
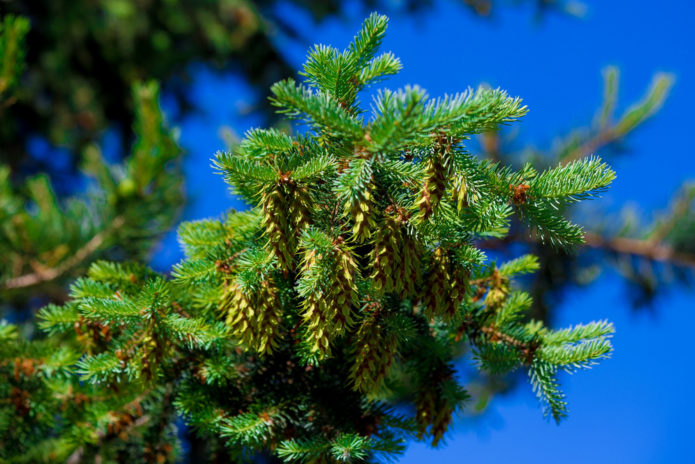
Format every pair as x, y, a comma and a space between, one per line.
635, 408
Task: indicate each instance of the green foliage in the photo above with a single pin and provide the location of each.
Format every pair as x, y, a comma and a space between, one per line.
87, 55
354, 279
50, 239
47, 413
46, 239
635, 245
12, 32
575, 181
650, 253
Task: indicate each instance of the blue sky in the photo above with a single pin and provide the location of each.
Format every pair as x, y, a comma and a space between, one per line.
635, 407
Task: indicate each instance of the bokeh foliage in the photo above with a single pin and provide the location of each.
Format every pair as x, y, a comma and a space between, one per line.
84, 56
46, 239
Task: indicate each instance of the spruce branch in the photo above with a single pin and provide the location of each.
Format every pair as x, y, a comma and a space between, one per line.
574, 181
354, 280
295, 100
78, 258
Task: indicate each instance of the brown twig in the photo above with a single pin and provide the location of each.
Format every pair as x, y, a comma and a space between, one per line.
76, 456
41, 276
600, 139
103, 435
680, 207
645, 248
497, 335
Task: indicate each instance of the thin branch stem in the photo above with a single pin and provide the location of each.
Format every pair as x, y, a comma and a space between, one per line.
89, 248
77, 455
600, 139
646, 248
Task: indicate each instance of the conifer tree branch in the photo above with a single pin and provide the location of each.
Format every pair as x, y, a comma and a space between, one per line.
648, 249
609, 131
356, 263
79, 257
